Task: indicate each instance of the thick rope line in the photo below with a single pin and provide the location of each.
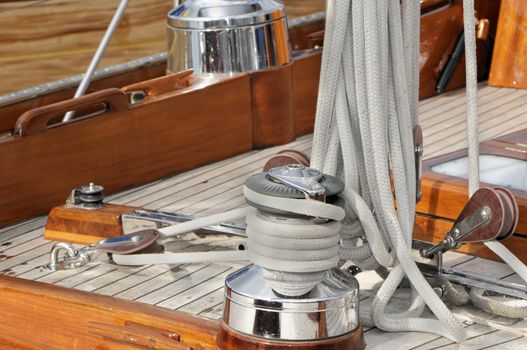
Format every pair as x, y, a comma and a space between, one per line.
294, 253
508, 308
379, 109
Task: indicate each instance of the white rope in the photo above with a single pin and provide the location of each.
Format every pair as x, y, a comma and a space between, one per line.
179, 258
510, 308
192, 225
295, 253
368, 93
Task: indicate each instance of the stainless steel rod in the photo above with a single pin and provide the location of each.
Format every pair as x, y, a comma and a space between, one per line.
98, 55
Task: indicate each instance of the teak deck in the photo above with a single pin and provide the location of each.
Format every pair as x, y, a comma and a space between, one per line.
198, 288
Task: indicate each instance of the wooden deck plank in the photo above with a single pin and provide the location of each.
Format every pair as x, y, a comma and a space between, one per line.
172, 289
160, 281
197, 290
205, 303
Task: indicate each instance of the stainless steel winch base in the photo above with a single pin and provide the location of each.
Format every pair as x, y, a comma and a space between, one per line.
253, 308
230, 50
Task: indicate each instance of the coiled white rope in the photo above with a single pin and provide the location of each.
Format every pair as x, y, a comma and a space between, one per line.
295, 253
368, 99
512, 307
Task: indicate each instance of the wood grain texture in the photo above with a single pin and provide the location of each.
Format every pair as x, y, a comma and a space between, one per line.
80, 320
126, 146
272, 106
55, 39
10, 113
445, 196
77, 225
244, 111
306, 73
440, 28
509, 61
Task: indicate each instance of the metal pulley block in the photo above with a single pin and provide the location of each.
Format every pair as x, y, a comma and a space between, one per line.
489, 214
87, 197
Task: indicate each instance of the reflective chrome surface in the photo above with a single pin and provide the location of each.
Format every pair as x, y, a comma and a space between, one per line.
253, 308
227, 36
71, 259
220, 14
301, 178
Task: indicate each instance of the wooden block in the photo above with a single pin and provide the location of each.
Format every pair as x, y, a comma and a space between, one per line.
509, 67
445, 196
85, 226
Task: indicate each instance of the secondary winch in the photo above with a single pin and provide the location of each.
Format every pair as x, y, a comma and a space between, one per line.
293, 290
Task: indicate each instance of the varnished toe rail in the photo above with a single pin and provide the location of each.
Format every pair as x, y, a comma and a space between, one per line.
40, 316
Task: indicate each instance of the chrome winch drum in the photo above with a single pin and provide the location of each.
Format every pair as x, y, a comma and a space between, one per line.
255, 307
252, 307
227, 36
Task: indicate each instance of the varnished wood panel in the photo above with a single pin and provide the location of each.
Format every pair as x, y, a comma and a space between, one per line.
272, 106
509, 61
306, 73
440, 29
445, 196
9, 114
126, 146
40, 316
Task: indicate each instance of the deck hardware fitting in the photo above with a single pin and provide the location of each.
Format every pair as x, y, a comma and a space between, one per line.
257, 306
86, 197
491, 213
72, 259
